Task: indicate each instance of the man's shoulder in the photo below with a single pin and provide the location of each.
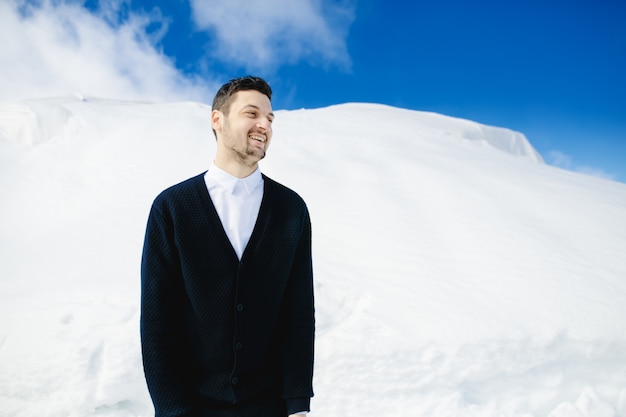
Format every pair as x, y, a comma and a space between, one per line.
282, 192
181, 191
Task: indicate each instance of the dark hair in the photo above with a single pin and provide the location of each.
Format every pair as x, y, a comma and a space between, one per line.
223, 98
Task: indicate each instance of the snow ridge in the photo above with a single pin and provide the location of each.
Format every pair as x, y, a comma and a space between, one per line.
500, 138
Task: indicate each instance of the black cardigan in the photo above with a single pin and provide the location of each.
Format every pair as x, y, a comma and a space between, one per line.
217, 330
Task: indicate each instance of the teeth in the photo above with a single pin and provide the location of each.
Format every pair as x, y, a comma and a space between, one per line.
259, 138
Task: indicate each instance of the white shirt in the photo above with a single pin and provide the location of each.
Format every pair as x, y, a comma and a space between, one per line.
237, 201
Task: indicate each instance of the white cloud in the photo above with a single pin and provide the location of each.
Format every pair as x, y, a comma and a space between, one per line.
559, 159
60, 47
562, 160
261, 35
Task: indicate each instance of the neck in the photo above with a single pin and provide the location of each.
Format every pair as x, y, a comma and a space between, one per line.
235, 168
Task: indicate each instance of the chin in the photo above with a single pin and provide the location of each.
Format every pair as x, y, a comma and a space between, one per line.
260, 154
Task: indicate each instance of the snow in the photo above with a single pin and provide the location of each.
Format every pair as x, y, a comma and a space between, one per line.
456, 273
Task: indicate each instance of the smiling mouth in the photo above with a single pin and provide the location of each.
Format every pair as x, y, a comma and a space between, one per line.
258, 138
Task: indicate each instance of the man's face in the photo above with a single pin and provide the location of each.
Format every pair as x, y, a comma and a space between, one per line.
245, 133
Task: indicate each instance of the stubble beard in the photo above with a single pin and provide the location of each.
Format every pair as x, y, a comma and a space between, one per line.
249, 155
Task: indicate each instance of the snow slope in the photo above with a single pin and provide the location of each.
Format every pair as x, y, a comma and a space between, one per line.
456, 274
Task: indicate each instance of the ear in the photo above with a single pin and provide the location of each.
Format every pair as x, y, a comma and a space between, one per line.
217, 118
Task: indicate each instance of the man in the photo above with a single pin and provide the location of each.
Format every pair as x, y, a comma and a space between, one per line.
227, 315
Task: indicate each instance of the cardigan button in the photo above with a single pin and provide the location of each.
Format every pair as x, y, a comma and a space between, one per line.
234, 380
238, 345
239, 307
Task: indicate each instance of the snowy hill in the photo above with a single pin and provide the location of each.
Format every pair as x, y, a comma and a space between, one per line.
456, 273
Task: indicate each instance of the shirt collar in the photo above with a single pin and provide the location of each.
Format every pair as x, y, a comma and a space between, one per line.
229, 182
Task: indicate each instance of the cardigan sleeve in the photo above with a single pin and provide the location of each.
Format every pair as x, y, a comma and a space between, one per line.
298, 347
161, 292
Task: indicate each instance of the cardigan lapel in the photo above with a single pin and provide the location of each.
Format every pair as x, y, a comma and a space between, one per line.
260, 226
213, 217
263, 218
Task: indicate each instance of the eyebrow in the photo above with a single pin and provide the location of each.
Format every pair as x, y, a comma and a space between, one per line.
257, 108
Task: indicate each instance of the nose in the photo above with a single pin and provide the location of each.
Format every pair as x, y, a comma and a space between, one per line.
264, 124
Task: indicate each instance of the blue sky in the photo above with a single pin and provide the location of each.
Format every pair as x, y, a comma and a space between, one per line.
553, 70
